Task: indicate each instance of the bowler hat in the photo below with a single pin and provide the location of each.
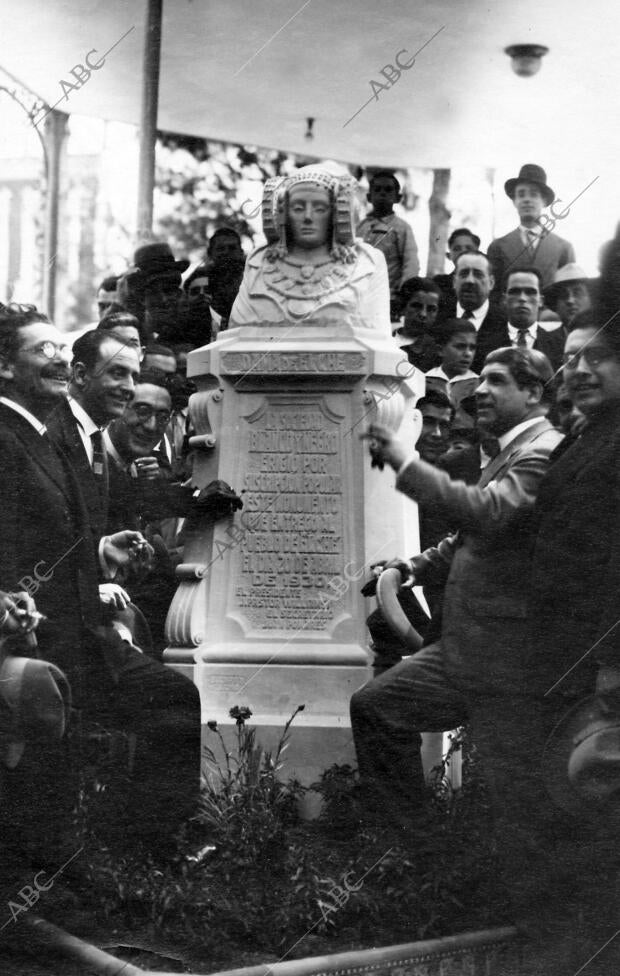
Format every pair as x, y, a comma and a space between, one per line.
568, 272
157, 259
35, 700
581, 759
531, 173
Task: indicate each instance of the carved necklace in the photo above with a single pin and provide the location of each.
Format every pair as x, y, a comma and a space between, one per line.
302, 280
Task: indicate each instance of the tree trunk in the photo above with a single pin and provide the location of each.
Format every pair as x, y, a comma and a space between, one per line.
440, 219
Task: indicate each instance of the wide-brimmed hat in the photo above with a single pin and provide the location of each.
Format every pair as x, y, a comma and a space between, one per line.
531, 173
35, 701
581, 759
156, 259
569, 272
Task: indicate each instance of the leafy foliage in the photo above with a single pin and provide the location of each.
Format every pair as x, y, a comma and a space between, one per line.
266, 881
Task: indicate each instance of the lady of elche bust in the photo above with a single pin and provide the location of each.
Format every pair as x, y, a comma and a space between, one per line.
313, 270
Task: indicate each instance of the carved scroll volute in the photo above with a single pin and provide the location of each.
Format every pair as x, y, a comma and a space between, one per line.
387, 399
205, 410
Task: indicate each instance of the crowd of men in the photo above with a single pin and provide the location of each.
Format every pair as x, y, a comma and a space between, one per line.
517, 479
517, 482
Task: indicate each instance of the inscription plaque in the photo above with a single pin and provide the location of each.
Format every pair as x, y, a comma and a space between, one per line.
294, 362
293, 513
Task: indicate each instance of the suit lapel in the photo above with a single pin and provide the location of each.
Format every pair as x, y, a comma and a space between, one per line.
39, 448
502, 459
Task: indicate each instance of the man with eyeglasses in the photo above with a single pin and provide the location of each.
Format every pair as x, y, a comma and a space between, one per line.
49, 548
576, 567
567, 863
145, 495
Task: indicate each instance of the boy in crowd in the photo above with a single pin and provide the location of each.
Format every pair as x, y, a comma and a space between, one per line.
457, 347
390, 234
419, 298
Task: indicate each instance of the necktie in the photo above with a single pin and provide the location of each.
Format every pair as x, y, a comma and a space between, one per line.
532, 238
467, 315
522, 335
99, 466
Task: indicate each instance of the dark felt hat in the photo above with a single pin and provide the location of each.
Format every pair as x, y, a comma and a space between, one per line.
35, 702
531, 173
155, 260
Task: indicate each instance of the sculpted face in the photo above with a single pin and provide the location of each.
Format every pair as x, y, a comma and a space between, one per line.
309, 216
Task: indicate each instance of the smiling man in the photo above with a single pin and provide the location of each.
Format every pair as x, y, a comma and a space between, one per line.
577, 557
104, 371
46, 531
475, 672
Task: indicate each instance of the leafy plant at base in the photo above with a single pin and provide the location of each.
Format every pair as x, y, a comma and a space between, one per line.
244, 805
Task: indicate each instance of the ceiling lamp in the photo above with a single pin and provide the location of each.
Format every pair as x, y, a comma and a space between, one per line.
526, 58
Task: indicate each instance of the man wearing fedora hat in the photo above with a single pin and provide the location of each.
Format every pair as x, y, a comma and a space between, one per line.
529, 246
568, 294
161, 280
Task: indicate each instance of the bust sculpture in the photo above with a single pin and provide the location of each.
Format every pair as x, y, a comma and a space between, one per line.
313, 269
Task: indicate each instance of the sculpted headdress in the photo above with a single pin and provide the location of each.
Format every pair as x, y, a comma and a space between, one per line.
341, 191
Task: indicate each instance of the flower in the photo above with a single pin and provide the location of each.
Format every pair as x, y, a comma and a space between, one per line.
240, 713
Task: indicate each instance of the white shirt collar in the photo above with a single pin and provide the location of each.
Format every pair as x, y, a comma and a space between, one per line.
478, 315
513, 332
86, 422
32, 420
510, 435
536, 231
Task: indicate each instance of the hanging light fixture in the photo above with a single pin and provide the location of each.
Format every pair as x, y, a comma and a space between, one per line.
526, 59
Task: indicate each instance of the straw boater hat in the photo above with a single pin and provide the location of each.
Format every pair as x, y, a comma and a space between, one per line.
581, 760
531, 173
569, 272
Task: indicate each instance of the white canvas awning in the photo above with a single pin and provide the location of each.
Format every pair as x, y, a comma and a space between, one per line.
252, 71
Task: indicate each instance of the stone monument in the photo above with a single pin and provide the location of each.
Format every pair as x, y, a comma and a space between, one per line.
268, 612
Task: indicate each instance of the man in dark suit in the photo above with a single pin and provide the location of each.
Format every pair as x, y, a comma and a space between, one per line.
461, 241
104, 371
473, 283
476, 670
530, 245
48, 548
523, 301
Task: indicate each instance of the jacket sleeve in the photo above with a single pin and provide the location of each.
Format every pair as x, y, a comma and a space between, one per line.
606, 650
487, 510
497, 262
410, 260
